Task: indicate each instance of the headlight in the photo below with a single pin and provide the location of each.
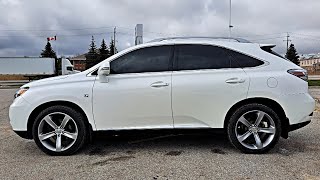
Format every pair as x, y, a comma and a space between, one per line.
21, 91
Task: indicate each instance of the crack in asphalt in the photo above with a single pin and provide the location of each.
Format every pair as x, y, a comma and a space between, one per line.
4, 108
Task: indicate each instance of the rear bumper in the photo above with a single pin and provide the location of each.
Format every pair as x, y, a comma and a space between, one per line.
298, 126
305, 121
298, 107
288, 128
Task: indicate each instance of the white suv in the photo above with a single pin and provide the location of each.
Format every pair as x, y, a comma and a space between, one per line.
252, 93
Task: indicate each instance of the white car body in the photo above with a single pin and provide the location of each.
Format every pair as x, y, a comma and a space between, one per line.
188, 99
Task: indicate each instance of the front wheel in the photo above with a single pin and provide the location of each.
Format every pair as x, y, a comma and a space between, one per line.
59, 130
254, 128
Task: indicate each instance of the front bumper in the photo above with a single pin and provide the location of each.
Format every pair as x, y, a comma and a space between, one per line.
19, 113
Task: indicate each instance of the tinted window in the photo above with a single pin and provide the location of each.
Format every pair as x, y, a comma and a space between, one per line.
269, 50
151, 59
192, 57
242, 60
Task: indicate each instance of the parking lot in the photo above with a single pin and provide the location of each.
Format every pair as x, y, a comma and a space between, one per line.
190, 156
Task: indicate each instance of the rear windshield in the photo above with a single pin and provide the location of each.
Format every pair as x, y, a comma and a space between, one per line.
269, 50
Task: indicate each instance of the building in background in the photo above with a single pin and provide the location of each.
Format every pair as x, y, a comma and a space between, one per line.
311, 63
139, 34
79, 62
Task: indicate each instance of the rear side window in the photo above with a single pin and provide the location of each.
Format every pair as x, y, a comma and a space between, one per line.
150, 59
244, 60
193, 57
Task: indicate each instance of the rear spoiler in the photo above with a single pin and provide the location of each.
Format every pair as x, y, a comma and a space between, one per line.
267, 46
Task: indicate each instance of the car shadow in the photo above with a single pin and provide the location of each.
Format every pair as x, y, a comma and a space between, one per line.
172, 142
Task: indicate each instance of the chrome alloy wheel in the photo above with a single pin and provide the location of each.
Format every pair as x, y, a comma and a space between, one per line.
255, 129
57, 131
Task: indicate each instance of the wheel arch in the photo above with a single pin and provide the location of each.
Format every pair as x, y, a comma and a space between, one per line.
275, 106
43, 106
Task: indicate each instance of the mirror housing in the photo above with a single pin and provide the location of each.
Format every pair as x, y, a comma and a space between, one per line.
103, 72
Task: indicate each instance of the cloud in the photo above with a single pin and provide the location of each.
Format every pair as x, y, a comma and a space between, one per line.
75, 22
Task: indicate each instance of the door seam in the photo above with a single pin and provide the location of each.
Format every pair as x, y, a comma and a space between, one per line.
172, 104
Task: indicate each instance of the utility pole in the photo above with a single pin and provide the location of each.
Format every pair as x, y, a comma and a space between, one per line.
230, 26
114, 40
288, 40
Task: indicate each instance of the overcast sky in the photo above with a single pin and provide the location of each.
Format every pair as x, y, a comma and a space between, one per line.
25, 24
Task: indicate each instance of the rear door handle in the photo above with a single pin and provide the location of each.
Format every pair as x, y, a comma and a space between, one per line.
159, 84
235, 81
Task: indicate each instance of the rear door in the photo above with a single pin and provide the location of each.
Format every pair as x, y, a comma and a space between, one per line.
206, 83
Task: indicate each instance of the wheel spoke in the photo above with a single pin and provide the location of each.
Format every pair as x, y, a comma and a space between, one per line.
46, 136
58, 143
70, 135
244, 121
50, 122
270, 130
243, 137
65, 121
259, 118
258, 141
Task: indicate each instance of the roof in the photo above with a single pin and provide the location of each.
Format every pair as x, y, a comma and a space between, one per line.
231, 39
81, 57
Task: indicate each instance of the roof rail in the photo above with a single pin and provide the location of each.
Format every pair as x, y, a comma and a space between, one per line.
240, 40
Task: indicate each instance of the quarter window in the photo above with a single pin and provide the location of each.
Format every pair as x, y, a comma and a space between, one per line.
243, 61
150, 59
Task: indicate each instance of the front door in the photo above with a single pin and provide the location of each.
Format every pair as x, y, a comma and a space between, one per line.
138, 93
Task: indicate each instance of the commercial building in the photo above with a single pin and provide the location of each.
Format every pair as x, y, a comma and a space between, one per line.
311, 63
79, 62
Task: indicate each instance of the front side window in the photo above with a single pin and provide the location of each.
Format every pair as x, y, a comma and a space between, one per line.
194, 57
150, 59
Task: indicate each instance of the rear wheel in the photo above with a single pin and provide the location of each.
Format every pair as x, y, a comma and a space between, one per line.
59, 130
254, 128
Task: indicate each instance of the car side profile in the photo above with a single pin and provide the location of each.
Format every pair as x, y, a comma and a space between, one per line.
245, 88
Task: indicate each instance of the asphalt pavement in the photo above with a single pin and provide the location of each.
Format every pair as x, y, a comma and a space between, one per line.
191, 156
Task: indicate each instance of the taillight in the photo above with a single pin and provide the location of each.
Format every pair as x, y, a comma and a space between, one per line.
300, 73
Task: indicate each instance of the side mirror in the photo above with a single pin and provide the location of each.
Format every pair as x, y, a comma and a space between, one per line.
103, 72
104, 69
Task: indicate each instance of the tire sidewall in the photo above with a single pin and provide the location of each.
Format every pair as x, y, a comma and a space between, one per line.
242, 110
78, 119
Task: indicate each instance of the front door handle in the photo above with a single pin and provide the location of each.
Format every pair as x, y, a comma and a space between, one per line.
235, 81
159, 84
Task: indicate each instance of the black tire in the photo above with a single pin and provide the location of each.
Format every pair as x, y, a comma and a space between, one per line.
250, 108
79, 121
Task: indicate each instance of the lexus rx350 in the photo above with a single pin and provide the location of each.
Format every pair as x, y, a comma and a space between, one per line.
245, 88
